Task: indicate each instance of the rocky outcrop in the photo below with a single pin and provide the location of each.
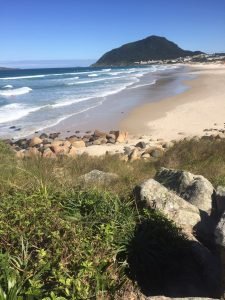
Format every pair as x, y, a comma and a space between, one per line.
187, 216
196, 189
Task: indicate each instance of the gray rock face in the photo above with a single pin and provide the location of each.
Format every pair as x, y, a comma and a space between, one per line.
220, 232
175, 208
96, 177
220, 200
196, 189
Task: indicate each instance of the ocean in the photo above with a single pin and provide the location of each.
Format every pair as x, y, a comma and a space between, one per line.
35, 99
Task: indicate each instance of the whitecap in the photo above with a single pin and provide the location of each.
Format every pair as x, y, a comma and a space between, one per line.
93, 75
15, 92
67, 102
8, 86
141, 85
23, 77
15, 111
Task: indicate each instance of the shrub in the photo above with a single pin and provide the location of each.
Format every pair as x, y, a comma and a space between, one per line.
71, 239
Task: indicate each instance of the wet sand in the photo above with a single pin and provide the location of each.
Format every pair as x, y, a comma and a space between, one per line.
115, 108
201, 106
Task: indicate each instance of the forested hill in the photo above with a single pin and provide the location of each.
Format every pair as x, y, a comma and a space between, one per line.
150, 48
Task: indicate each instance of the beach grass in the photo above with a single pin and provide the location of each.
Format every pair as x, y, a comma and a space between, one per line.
62, 240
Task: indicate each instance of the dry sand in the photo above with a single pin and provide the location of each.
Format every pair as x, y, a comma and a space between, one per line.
200, 107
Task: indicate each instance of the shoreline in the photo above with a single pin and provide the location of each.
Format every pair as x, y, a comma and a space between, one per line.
186, 114
116, 107
195, 111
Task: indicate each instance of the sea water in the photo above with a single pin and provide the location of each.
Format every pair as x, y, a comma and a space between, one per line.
36, 99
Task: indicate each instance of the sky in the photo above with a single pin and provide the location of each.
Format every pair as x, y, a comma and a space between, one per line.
83, 30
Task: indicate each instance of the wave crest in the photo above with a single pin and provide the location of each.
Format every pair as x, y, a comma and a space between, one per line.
15, 92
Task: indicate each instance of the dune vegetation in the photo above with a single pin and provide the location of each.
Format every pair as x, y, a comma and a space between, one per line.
60, 239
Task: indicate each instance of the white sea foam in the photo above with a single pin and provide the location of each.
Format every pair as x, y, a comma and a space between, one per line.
64, 102
23, 77
8, 86
15, 111
94, 80
141, 85
15, 92
93, 75
103, 94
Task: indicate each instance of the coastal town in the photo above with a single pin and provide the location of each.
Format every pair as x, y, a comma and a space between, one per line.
200, 58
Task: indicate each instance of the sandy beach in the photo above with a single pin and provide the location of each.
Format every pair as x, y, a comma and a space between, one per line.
201, 106
183, 103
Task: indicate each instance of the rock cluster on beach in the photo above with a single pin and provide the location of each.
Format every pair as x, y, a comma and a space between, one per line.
96, 143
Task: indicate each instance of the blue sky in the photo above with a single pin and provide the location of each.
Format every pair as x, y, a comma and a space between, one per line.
85, 29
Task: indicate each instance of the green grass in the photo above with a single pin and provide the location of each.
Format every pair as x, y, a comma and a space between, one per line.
60, 240
204, 157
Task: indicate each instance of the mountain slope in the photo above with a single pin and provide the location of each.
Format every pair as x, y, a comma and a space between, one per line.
150, 48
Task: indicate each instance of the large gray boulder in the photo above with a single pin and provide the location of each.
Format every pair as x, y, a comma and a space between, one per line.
154, 195
96, 177
196, 189
158, 197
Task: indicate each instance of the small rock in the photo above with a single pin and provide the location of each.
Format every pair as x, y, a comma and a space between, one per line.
121, 136
141, 145
43, 136
96, 142
12, 127
22, 142
54, 135
96, 177
60, 150
134, 155
127, 150
167, 145
98, 134
145, 155
110, 136
78, 144
111, 141
157, 153
35, 141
